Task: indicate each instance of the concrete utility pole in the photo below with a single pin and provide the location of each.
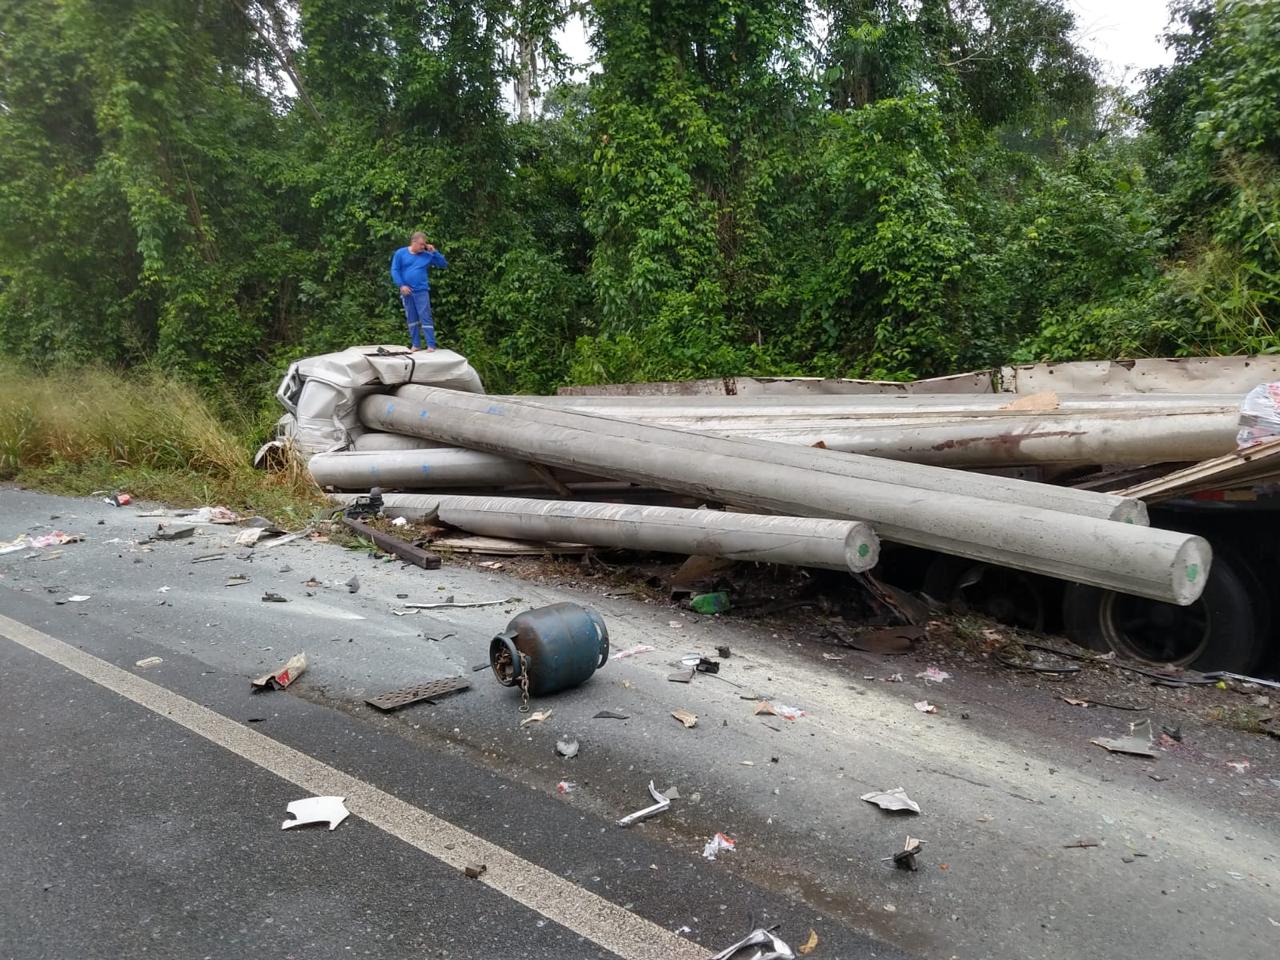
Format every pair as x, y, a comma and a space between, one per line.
801, 541
1160, 564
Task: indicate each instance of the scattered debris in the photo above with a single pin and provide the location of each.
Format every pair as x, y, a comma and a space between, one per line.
1239, 766
330, 810
1135, 746
536, 717
567, 748
353, 585
451, 603
399, 522
723, 652
777, 949
491, 564
408, 552
661, 804
933, 675
716, 845
833, 656
809, 945
474, 870
279, 679
566, 786
209, 556
249, 537
430, 691
924, 706
118, 500
1081, 844
707, 666
270, 597
894, 800
74, 598
610, 715
438, 639
711, 603
173, 533
210, 515
682, 676
905, 859
884, 640
632, 651
1074, 702
779, 710
149, 662
238, 580
25, 542
690, 720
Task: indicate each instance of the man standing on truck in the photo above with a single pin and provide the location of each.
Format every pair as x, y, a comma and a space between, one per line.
409, 272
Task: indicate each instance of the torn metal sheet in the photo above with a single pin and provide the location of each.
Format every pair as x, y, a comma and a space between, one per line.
278, 680
423, 691
330, 810
661, 804
895, 800
1135, 746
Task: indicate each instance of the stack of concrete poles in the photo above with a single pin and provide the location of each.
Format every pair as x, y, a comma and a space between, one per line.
1084, 537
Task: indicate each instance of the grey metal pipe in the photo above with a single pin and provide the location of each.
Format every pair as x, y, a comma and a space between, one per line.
852, 466
800, 541
435, 467
1154, 563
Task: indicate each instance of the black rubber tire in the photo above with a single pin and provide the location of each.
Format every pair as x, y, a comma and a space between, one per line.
948, 577
1233, 636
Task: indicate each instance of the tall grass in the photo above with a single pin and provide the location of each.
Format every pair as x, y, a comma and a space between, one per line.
76, 430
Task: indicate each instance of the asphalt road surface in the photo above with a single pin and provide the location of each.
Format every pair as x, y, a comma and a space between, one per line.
143, 803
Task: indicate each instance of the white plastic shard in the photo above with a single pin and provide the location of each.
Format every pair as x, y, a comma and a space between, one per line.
330, 810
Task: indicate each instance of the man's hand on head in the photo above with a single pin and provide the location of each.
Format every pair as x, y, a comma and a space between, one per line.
430, 248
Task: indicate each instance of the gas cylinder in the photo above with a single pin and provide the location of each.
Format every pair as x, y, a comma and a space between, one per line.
557, 647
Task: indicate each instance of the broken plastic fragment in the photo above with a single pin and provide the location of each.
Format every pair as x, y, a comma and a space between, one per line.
567, 748
536, 717
294, 668
565, 786
933, 675
895, 799
779, 710
632, 651
690, 720
330, 810
716, 845
809, 945
662, 803
924, 706
148, 662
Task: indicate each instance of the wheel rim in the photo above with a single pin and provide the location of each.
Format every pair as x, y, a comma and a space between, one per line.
1156, 632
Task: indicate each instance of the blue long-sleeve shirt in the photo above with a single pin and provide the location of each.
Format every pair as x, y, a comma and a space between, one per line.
410, 269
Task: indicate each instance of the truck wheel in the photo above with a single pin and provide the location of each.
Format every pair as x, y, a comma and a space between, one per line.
1220, 631
1010, 596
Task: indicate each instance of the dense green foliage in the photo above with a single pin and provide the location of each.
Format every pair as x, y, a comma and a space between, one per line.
847, 187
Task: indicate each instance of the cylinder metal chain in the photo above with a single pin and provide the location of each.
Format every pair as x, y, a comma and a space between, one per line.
524, 683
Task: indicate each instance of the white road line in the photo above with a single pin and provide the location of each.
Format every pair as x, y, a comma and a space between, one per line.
624, 933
